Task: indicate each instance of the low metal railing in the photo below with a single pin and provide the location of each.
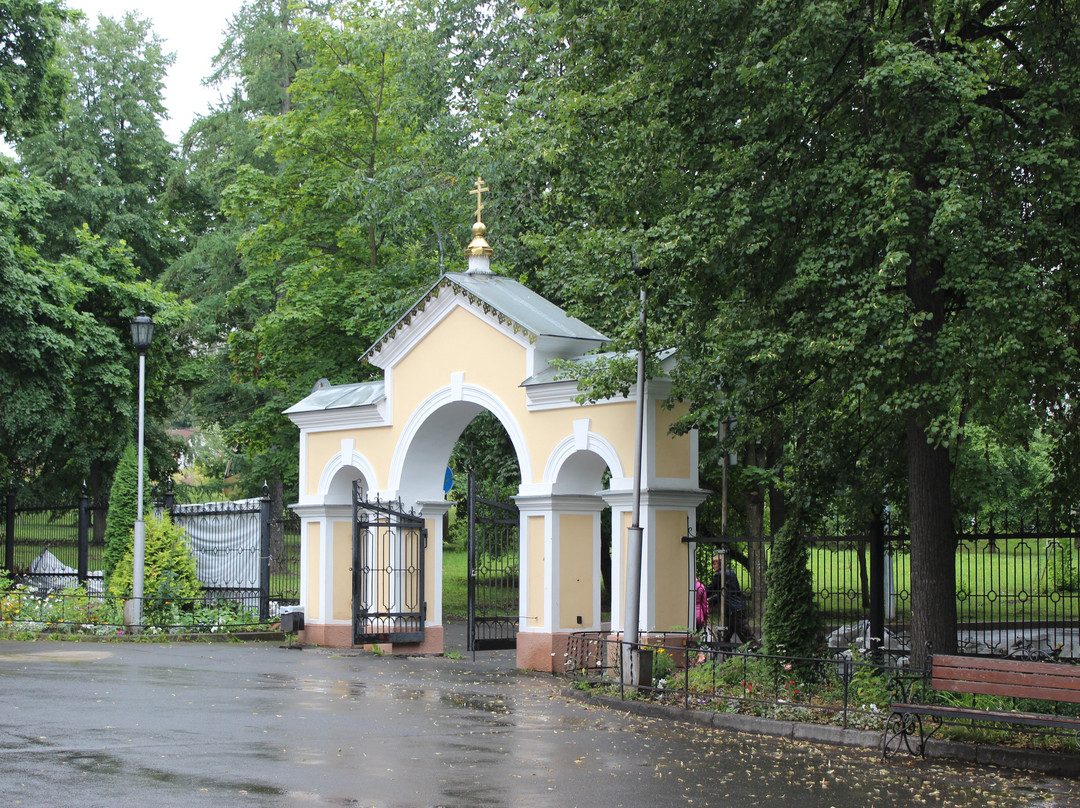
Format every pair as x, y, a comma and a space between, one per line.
847, 691
41, 610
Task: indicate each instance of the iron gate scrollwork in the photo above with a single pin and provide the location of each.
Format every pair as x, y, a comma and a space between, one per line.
493, 572
388, 572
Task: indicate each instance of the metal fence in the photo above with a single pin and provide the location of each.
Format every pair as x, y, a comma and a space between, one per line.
231, 545
54, 545
51, 548
285, 558
244, 552
1018, 589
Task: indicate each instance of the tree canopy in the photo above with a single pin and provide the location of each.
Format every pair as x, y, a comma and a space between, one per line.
857, 218
107, 155
31, 83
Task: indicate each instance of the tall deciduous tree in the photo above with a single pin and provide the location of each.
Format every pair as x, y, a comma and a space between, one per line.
108, 156
862, 210
351, 221
256, 64
67, 392
31, 86
37, 346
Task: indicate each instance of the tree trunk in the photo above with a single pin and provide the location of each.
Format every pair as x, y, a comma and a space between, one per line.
933, 546
277, 525
933, 542
778, 507
755, 529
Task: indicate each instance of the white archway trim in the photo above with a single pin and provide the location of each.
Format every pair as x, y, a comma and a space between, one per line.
348, 457
458, 391
582, 440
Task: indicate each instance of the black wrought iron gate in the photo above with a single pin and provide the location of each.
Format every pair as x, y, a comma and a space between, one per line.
388, 572
493, 572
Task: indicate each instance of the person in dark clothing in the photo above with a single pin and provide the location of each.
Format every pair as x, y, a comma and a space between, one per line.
724, 589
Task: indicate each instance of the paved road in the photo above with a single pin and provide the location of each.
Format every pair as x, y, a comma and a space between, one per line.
256, 724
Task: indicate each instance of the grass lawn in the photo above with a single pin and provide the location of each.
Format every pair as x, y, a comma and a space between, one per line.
455, 584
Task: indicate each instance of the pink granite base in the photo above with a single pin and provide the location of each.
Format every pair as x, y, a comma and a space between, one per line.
340, 636
542, 652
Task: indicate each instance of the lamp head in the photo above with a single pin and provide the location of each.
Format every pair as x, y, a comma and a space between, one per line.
142, 331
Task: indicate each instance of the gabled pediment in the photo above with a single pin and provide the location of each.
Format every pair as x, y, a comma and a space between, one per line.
511, 308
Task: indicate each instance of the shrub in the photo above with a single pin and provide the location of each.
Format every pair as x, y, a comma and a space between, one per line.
169, 570
123, 508
1060, 573
792, 625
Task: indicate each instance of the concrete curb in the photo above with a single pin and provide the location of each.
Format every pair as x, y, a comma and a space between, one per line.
1053, 763
207, 637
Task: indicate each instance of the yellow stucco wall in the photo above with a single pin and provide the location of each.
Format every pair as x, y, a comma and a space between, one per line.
455, 347
375, 442
499, 368
314, 568
342, 571
672, 569
536, 550
576, 570
672, 451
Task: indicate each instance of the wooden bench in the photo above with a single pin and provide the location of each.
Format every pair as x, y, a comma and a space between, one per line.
989, 676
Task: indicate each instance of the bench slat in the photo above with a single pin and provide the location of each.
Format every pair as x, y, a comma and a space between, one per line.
1031, 719
1003, 664
1003, 677
1009, 690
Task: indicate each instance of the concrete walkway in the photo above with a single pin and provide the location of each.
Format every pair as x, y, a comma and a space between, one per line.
239, 724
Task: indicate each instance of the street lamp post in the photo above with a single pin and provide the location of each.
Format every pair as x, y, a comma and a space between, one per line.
632, 605
142, 331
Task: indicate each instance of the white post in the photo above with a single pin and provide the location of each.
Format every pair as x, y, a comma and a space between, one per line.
632, 609
134, 611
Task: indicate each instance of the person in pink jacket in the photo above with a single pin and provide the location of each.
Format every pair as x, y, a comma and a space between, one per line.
701, 605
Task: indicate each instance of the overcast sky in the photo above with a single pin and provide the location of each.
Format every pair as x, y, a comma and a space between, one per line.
193, 30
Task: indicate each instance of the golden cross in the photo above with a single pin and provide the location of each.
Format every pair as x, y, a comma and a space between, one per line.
479, 196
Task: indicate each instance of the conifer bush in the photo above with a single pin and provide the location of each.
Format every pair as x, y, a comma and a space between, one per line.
169, 572
123, 508
792, 624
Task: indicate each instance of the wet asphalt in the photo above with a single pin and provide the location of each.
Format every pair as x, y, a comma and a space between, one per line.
260, 724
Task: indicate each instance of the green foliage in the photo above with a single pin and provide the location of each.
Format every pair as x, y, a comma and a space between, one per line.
169, 573
123, 509
331, 211
108, 158
1061, 573
455, 583
848, 214
31, 87
38, 345
792, 624
869, 688
27, 614
67, 391
69, 610
484, 450
663, 665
